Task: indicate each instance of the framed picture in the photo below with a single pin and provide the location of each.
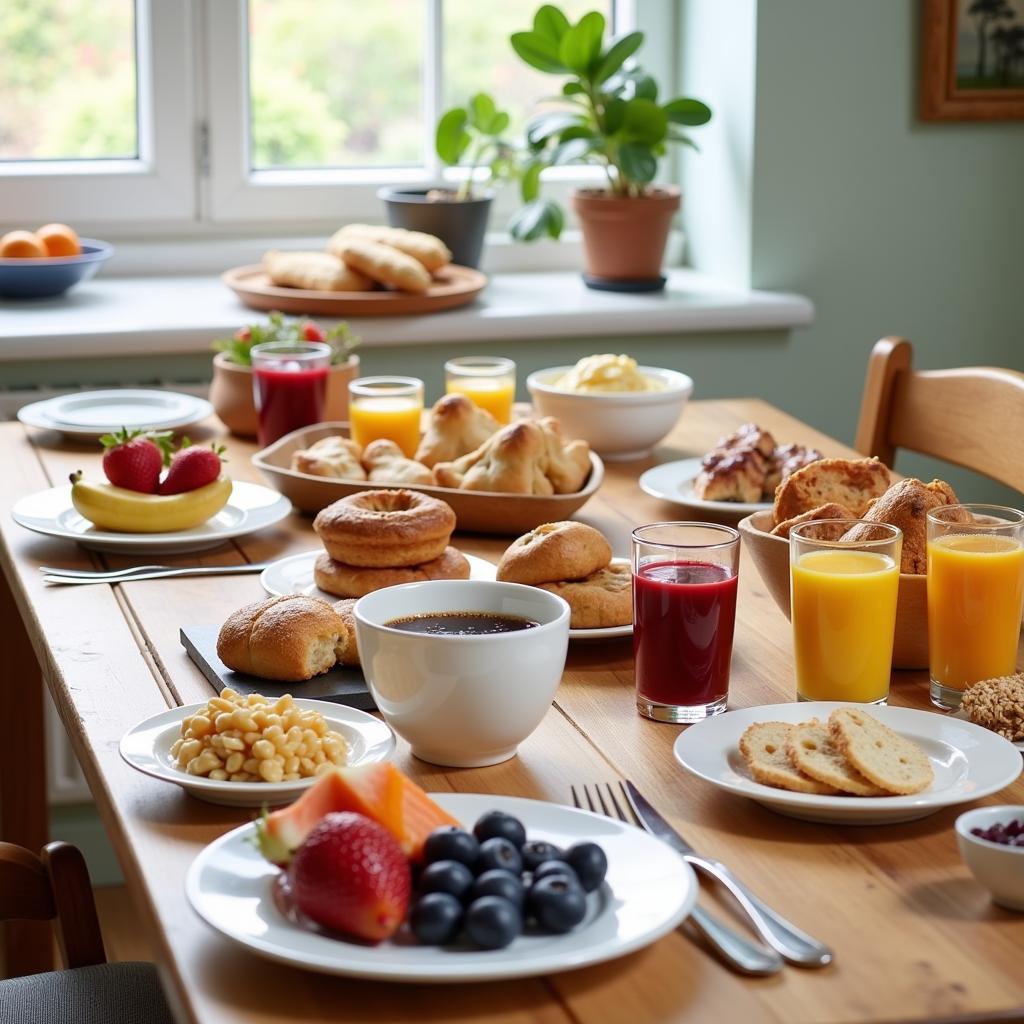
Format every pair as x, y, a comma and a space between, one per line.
972, 60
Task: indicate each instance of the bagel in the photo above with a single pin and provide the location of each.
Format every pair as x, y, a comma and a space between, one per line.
357, 581
553, 552
385, 529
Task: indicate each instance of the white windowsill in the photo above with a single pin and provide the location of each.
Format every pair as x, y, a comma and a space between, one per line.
131, 316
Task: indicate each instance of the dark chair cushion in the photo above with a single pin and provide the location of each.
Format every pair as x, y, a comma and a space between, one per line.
121, 993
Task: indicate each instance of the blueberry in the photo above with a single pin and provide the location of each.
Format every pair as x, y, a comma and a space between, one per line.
589, 863
536, 851
451, 843
557, 904
548, 868
498, 853
492, 922
497, 824
499, 883
436, 918
446, 876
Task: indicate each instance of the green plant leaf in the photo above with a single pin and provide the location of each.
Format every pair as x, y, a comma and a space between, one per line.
572, 89
550, 23
677, 136
543, 126
581, 45
536, 219
577, 131
614, 115
645, 88
451, 139
554, 220
538, 52
482, 111
645, 122
572, 149
529, 187
619, 52
500, 123
687, 111
637, 162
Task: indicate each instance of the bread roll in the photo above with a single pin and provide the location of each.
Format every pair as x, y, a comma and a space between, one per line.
853, 483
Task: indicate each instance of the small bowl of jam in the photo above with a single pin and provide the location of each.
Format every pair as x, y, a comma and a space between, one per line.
464, 670
990, 840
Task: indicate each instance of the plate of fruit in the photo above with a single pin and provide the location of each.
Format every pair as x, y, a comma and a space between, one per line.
368, 876
155, 498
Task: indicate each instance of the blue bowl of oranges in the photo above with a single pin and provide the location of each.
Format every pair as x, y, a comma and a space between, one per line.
41, 264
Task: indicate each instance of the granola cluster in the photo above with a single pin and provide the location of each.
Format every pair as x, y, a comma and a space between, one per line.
998, 704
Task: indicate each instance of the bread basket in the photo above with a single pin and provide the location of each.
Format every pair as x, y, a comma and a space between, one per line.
771, 556
476, 511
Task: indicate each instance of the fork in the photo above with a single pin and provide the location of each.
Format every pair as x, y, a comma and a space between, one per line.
735, 951
143, 572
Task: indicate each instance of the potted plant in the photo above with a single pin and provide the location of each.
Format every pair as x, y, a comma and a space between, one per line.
459, 216
608, 114
231, 391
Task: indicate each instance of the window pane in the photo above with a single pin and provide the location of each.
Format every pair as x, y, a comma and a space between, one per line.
336, 83
479, 58
67, 79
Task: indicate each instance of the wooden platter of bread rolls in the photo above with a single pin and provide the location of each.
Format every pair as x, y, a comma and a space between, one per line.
366, 270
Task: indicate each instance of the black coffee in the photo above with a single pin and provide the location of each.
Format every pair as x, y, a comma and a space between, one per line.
461, 623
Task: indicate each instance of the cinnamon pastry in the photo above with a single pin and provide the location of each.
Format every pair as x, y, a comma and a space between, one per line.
735, 475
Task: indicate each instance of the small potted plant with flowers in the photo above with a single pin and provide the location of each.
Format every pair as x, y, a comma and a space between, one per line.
231, 392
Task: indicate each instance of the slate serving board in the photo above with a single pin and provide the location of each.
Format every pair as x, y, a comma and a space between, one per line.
342, 685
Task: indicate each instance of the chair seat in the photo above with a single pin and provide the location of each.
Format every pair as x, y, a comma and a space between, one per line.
119, 993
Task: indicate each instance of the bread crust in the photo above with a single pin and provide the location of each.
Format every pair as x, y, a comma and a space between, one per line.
854, 483
289, 638
828, 511
382, 263
357, 581
385, 528
763, 746
334, 456
314, 271
385, 462
347, 650
554, 551
882, 756
427, 249
812, 751
456, 427
602, 599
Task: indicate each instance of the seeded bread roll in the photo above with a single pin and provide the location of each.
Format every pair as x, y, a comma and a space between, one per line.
289, 638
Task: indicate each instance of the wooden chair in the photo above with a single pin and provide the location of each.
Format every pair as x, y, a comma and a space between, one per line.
972, 416
55, 887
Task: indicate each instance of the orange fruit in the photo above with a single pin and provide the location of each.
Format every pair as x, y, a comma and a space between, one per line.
21, 244
59, 240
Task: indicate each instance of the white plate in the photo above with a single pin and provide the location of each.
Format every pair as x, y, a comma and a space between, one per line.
147, 748
294, 575
87, 414
962, 716
649, 891
604, 632
673, 482
969, 762
251, 507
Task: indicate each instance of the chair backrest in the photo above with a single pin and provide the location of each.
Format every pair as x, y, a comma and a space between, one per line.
53, 887
972, 416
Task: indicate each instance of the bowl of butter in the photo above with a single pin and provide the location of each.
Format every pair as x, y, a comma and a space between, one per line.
621, 409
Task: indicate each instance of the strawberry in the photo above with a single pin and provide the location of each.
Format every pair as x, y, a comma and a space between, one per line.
192, 468
312, 331
351, 876
133, 460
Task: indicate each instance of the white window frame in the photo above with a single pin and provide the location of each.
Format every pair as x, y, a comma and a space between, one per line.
156, 187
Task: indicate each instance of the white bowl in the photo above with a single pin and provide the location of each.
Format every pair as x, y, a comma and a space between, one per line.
1000, 869
618, 425
463, 701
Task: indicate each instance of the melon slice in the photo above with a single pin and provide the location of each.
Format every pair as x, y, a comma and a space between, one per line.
379, 791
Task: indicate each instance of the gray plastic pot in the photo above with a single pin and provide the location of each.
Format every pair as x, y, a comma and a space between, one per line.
461, 225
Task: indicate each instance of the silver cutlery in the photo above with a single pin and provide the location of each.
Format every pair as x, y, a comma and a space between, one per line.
143, 572
736, 951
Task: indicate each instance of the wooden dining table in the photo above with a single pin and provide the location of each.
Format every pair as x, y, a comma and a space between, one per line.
915, 937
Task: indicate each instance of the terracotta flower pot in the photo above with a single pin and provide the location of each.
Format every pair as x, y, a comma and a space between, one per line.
232, 398
624, 239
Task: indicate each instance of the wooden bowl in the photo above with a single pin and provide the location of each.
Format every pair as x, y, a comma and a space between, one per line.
771, 556
476, 511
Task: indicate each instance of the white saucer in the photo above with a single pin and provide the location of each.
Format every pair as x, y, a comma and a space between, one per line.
294, 575
88, 414
147, 748
649, 891
673, 482
251, 507
969, 762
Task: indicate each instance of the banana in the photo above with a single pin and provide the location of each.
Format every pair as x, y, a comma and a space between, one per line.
124, 511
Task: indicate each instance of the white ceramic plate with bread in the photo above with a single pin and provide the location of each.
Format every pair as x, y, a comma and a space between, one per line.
673, 482
967, 762
147, 748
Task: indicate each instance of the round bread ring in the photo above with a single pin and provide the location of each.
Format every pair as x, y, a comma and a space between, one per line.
604, 598
385, 529
357, 581
554, 552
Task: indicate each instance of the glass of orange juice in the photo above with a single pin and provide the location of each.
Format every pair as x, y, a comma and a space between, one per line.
389, 407
975, 596
843, 595
487, 381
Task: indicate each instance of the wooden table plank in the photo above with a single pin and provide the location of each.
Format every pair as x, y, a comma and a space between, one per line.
915, 936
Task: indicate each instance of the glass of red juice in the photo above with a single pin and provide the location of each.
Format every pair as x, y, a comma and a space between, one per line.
684, 612
289, 382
